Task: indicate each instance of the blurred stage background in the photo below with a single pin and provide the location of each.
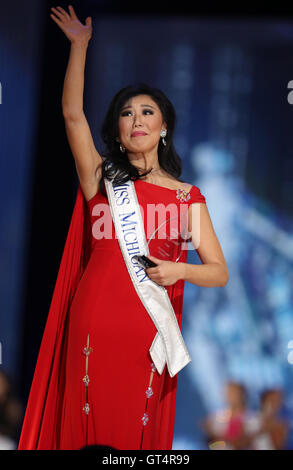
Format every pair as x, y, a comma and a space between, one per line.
228, 76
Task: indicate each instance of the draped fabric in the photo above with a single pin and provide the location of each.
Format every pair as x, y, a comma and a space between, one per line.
94, 381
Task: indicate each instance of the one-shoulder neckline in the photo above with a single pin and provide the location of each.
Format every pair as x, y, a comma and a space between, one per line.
164, 187
153, 184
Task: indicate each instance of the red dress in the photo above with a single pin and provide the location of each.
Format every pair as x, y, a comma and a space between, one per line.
95, 383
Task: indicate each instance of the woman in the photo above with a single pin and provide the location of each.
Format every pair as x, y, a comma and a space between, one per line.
97, 380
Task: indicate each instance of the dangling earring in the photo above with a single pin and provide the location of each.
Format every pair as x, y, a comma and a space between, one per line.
163, 134
122, 149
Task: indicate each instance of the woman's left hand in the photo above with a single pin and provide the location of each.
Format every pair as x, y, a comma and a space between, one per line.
166, 273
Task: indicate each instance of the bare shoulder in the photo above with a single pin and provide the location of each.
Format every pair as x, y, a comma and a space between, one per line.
186, 186
183, 185
180, 184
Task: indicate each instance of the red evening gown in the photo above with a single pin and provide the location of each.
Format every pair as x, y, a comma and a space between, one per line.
95, 383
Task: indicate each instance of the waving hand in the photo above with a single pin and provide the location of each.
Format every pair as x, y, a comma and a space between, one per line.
74, 30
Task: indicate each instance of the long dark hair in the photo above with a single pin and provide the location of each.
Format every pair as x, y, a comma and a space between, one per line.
116, 165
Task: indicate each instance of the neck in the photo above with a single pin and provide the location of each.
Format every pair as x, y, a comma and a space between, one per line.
145, 161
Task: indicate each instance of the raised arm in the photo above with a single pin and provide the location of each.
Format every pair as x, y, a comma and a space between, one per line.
87, 159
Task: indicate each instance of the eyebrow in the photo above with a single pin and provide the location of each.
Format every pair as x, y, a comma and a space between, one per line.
129, 106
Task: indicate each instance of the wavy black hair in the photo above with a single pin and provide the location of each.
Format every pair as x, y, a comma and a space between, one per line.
116, 165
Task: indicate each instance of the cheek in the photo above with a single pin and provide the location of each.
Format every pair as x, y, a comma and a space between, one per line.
124, 127
155, 124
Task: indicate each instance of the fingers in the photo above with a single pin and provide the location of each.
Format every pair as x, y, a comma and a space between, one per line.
63, 12
59, 14
59, 22
152, 270
72, 12
63, 15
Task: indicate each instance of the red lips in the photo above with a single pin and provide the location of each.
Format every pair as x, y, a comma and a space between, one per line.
138, 133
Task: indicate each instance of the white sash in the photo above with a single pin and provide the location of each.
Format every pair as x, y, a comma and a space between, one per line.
168, 344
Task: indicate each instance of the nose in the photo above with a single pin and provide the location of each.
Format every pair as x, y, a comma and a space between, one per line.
137, 120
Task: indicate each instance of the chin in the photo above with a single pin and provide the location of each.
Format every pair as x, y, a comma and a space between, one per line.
140, 148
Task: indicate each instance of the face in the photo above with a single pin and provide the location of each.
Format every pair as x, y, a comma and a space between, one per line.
140, 123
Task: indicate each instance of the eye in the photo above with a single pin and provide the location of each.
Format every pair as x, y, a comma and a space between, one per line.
126, 113
148, 111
